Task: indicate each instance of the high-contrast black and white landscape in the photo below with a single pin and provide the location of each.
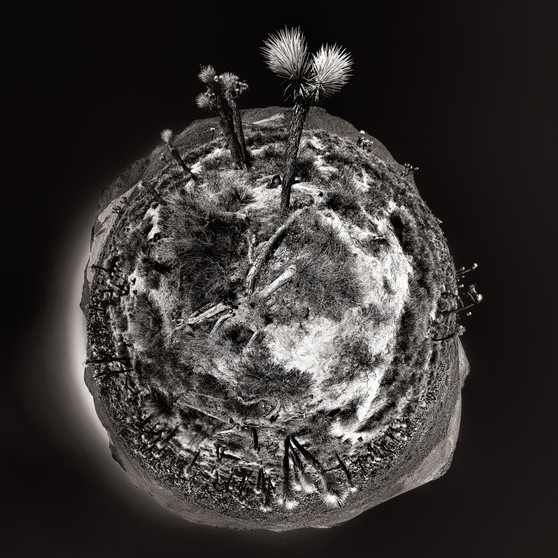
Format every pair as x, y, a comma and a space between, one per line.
259, 368
462, 98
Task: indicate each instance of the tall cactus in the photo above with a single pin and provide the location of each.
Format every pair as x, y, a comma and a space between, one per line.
232, 88
310, 78
220, 96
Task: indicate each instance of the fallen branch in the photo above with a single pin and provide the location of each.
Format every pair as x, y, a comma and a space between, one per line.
278, 283
215, 310
251, 244
219, 323
269, 247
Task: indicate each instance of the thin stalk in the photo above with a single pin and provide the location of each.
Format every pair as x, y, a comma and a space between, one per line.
180, 161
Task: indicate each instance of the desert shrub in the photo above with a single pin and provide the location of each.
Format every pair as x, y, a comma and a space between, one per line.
218, 161
404, 230
355, 358
305, 168
254, 139
210, 385
376, 246
206, 249
325, 280
272, 152
136, 244
234, 196
375, 314
407, 339
328, 140
343, 180
158, 405
414, 244
343, 197
343, 201
193, 155
349, 412
259, 138
261, 378
153, 279
165, 368
239, 335
337, 159
146, 322
318, 427
377, 198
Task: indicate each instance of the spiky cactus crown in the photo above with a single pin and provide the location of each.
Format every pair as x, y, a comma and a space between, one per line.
331, 70
286, 54
167, 135
310, 76
205, 100
228, 80
207, 74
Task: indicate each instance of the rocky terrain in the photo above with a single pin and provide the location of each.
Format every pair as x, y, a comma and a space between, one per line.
261, 370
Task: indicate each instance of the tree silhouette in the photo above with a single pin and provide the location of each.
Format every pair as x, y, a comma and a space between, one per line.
310, 78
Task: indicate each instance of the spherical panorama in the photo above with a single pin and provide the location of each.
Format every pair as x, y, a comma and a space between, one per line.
263, 365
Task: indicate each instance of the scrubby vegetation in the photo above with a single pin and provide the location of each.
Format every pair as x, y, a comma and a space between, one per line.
209, 308
270, 309
326, 281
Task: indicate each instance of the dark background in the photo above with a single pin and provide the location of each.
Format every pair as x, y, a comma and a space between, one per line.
467, 91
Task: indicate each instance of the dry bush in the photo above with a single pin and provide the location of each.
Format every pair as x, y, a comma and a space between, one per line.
262, 378
325, 280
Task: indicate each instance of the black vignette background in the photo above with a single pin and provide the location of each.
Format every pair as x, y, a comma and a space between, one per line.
466, 91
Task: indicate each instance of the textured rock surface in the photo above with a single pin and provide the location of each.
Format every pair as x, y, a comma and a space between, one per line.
298, 393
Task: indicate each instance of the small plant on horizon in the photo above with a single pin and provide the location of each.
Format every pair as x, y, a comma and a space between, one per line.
310, 79
408, 169
220, 96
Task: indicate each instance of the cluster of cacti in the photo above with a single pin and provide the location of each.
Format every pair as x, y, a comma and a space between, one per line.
310, 77
408, 169
222, 91
460, 303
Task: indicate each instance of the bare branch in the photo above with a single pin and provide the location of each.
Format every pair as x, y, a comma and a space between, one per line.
215, 310
269, 247
278, 283
219, 323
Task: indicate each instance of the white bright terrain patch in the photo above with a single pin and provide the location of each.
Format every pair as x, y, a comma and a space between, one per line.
267, 388
314, 347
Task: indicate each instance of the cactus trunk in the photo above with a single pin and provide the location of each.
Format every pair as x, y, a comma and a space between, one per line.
228, 128
180, 161
298, 116
237, 121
